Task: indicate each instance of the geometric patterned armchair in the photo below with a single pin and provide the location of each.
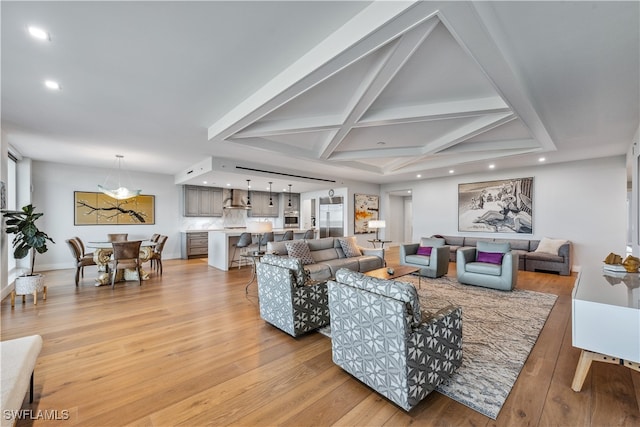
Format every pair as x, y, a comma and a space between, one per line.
379, 336
289, 300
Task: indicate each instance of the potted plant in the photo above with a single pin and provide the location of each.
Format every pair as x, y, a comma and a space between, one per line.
27, 239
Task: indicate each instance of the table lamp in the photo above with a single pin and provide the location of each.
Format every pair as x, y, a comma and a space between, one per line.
259, 228
377, 225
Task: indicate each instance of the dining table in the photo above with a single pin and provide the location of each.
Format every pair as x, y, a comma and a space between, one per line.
103, 250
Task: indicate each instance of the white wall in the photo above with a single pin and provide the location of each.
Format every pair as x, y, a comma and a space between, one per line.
583, 201
53, 188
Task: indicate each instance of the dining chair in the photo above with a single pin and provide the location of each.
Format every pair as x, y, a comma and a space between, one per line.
80, 260
156, 255
288, 235
118, 237
126, 255
244, 242
82, 247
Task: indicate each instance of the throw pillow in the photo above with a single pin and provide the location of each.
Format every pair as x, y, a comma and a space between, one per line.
424, 250
550, 246
300, 249
490, 257
349, 246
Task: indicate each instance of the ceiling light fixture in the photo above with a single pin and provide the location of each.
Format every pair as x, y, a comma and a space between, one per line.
289, 195
119, 193
52, 84
38, 33
248, 193
270, 199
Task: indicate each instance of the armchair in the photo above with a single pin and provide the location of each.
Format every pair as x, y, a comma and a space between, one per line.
491, 265
289, 300
380, 336
435, 264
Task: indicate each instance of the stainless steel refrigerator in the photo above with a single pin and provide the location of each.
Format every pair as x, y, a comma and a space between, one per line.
331, 221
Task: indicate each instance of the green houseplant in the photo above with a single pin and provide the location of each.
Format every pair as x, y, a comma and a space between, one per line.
27, 237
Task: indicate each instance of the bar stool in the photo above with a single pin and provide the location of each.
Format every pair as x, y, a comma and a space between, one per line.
244, 242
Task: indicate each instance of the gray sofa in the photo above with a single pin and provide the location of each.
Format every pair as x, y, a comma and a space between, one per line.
329, 256
528, 258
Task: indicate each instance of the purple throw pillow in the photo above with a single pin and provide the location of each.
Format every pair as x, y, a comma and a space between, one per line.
424, 250
490, 257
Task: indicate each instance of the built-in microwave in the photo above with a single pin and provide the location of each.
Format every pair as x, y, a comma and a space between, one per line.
291, 219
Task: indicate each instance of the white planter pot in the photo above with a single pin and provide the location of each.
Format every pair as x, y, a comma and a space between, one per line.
27, 285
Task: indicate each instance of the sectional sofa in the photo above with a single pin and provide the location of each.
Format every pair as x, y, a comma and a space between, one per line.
328, 255
533, 255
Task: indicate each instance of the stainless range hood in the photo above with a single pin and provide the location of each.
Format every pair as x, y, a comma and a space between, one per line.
235, 199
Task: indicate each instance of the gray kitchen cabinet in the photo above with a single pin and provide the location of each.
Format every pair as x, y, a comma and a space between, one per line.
260, 204
195, 245
202, 201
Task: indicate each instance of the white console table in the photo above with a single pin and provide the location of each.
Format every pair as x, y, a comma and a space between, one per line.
606, 320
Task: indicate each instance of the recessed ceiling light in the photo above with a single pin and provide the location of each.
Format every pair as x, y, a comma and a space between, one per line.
51, 84
451, 171
491, 166
542, 159
38, 33
418, 176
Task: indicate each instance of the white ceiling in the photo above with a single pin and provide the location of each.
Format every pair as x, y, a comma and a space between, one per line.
376, 92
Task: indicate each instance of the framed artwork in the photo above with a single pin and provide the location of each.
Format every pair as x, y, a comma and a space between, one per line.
365, 209
504, 206
93, 208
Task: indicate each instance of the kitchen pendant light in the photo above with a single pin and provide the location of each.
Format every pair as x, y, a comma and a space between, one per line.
289, 195
120, 192
270, 199
248, 193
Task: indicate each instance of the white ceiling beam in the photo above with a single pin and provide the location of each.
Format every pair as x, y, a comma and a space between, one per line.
290, 126
373, 27
391, 64
435, 111
469, 130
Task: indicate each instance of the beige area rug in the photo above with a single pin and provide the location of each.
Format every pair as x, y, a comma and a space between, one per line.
499, 329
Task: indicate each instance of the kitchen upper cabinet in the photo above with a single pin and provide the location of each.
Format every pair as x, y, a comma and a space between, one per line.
260, 204
202, 201
295, 201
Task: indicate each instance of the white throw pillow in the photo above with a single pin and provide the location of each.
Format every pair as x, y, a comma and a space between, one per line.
550, 246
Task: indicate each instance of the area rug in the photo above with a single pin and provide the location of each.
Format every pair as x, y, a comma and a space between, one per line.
499, 329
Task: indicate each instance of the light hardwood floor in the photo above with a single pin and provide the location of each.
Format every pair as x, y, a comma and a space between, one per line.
189, 348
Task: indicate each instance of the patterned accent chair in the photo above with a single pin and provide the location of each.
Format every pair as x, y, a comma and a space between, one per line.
289, 300
380, 336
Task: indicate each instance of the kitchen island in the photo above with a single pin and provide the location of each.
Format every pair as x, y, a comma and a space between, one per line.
221, 244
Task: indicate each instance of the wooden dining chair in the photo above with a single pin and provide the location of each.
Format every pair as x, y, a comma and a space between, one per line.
81, 261
118, 237
126, 255
156, 255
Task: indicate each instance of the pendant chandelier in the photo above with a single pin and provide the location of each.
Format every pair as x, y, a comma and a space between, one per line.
248, 193
117, 191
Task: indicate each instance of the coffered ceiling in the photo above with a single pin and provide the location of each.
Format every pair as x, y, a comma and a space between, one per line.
377, 92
